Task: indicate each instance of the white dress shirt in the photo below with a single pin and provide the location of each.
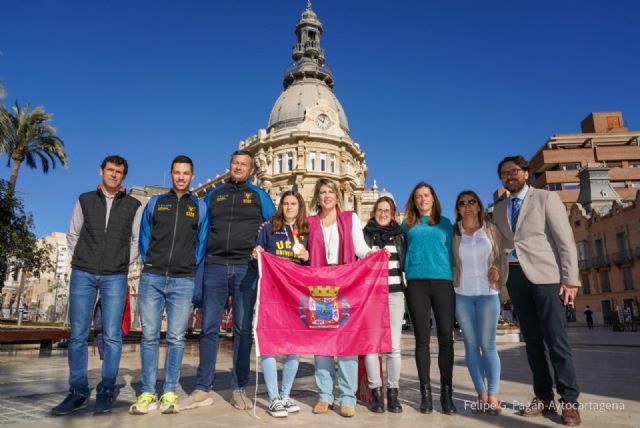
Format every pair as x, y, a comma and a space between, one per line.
521, 195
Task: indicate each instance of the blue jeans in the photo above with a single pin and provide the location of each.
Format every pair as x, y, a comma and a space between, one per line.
156, 292
478, 319
84, 287
220, 281
270, 373
347, 379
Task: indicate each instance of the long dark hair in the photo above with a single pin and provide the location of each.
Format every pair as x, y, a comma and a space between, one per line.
475, 196
301, 223
413, 215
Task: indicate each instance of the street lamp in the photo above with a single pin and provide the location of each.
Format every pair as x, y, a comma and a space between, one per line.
67, 295
55, 298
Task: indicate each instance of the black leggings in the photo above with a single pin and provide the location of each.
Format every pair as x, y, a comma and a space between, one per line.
422, 295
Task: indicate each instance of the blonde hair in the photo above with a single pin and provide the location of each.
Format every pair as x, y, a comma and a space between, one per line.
316, 194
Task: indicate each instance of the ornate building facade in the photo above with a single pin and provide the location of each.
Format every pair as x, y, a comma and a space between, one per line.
605, 139
307, 136
607, 234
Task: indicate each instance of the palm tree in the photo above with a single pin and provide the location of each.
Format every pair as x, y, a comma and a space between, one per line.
26, 136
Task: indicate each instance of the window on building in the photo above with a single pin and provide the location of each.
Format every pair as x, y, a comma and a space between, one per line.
613, 164
613, 122
599, 248
312, 161
604, 281
570, 167
635, 184
332, 164
323, 162
279, 164
586, 286
634, 164
628, 278
583, 250
554, 186
289, 161
618, 184
571, 186
621, 242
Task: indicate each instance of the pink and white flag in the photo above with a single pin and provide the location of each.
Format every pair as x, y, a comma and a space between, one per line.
336, 310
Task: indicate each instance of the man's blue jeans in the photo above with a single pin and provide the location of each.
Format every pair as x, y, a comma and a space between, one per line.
220, 281
478, 319
156, 292
82, 297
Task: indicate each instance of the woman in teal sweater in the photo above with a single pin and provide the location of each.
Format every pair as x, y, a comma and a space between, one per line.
429, 273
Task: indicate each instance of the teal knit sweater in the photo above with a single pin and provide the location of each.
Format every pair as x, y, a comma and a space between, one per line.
429, 252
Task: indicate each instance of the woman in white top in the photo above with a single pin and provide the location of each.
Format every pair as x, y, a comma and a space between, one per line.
479, 266
335, 237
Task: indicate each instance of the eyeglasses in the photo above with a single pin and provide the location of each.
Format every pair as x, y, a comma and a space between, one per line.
470, 202
510, 172
381, 211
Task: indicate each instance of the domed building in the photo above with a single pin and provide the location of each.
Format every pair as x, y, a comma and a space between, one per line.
308, 135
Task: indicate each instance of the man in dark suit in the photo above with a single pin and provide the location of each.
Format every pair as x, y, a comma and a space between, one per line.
543, 274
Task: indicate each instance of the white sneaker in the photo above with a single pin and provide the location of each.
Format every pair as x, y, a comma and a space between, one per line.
290, 405
197, 398
276, 409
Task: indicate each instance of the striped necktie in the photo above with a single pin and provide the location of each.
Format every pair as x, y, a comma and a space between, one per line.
516, 203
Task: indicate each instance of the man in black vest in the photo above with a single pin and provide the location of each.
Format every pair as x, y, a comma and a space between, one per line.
103, 241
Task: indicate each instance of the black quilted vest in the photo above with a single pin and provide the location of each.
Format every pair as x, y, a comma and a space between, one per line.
104, 249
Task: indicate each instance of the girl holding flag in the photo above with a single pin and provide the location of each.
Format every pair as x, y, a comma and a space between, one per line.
285, 236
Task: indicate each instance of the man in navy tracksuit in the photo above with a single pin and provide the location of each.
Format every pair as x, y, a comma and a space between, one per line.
173, 235
236, 211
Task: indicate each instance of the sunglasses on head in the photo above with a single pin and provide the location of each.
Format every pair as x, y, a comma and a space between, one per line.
470, 202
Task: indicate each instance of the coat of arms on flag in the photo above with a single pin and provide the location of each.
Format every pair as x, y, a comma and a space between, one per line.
332, 310
323, 308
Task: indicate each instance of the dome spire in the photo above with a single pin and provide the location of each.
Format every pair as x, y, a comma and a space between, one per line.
307, 55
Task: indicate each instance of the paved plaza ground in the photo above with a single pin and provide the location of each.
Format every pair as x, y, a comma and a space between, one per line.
608, 365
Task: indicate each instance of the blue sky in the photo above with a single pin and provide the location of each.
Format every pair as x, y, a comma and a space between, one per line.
434, 90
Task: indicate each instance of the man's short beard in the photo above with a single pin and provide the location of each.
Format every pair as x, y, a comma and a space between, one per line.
518, 190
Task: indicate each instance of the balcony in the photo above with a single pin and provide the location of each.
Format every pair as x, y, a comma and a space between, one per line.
622, 257
298, 51
584, 264
600, 262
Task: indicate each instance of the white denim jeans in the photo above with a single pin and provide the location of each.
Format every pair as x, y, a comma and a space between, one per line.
394, 359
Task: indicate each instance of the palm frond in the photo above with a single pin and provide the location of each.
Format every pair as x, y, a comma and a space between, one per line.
27, 135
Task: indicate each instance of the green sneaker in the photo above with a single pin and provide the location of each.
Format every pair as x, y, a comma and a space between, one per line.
169, 403
144, 403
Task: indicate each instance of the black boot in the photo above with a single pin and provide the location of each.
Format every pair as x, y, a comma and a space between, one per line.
393, 405
426, 403
446, 400
377, 404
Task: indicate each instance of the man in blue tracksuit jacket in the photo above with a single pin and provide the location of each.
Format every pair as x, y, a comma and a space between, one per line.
173, 239
236, 210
